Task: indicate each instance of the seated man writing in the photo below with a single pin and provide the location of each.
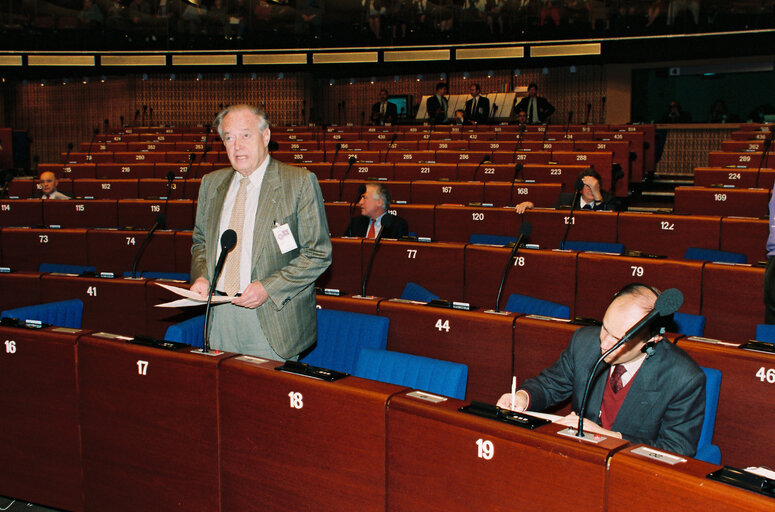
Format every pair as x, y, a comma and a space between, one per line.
651, 393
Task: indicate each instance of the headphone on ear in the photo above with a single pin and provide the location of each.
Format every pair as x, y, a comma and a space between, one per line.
660, 325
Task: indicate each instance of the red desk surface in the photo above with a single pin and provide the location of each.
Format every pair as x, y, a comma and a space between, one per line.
482, 341
361, 170
294, 443
732, 301
142, 213
682, 486
549, 226
115, 250
21, 212
40, 438
738, 178
668, 235
183, 251
76, 213
527, 470
746, 406
366, 305
180, 189
447, 192
19, 289
747, 236
749, 202
119, 171
508, 194
27, 248
105, 188
73, 171
420, 217
149, 426
417, 171
458, 223
345, 271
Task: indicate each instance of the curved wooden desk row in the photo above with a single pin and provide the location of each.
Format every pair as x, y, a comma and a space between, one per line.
94, 423
729, 177
110, 188
136, 170
752, 202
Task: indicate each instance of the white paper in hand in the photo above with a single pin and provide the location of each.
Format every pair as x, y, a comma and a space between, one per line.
190, 298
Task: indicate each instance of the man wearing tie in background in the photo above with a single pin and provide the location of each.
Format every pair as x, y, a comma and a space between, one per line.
436, 106
537, 108
478, 107
652, 393
383, 112
374, 204
270, 276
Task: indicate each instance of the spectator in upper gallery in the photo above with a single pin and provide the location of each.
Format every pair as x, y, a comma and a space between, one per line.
374, 204
675, 114
478, 107
436, 106
718, 112
90, 15
383, 112
374, 10
538, 108
676, 7
48, 186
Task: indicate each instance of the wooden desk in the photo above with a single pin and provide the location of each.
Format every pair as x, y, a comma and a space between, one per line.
549, 226
27, 248
458, 223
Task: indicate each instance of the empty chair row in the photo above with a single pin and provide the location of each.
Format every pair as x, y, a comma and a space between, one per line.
740, 160
107, 188
738, 202
129, 157
134, 170
734, 178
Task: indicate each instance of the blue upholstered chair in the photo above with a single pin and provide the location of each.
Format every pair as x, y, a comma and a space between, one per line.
532, 306
413, 291
64, 313
432, 375
342, 335
705, 449
765, 332
180, 276
575, 245
189, 331
62, 268
483, 238
690, 325
698, 253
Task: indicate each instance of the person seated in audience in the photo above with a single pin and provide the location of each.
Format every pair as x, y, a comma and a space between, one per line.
374, 205
592, 197
460, 117
48, 186
538, 109
383, 112
651, 393
521, 119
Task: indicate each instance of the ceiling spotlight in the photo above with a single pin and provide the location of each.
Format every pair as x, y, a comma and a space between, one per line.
280, 75
172, 76
331, 82
573, 69
85, 80
253, 76
419, 78
490, 73
443, 77
103, 79
226, 76
396, 78
517, 72
465, 75
198, 76
372, 80
545, 71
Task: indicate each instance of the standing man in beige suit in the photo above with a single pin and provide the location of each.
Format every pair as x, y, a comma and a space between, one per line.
282, 243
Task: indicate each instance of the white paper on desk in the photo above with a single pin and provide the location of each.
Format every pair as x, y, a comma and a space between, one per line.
189, 298
544, 415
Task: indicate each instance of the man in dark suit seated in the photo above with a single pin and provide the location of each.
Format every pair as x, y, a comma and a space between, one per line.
538, 109
374, 204
592, 197
652, 392
478, 107
383, 112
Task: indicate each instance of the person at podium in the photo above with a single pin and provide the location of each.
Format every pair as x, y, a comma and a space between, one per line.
282, 243
652, 392
374, 204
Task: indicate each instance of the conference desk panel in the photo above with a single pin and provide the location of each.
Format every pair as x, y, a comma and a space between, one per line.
142, 213
345, 271
97, 146
74, 171
738, 160
566, 175
420, 217
458, 223
463, 157
298, 157
382, 145
289, 442
105, 188
746, 236
600, 276
485, 172
766, 179
128, 157
487, 465
668, 235
179, 171
506, 194
547, 275
20, 288
365, 305
138, 146
27, 248
111, 305
732, 300
549, 226
21, 188
112, 250
749, 202
157, 188
124, 171
735, 178
437, 267
363, 157
343, 136
361, 170
746, 405
481, 341
338, 216
40, 439
149, 426
742, 146
350, 190
525, 157
183, 242
330, 146
21, 212
682, 486
416, 156
451, 145
82, 157
432, 172
80, 213
447, 192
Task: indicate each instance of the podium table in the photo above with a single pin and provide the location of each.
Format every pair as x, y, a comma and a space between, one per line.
290, 442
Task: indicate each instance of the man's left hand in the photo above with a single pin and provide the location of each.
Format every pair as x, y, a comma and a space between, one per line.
572, 420
252, 297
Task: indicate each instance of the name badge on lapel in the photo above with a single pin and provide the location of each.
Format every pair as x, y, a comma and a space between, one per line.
284, 237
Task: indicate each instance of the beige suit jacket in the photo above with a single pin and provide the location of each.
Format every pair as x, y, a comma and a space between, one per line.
288, 195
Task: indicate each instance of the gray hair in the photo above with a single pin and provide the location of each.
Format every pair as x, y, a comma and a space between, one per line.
263, 121
383, 193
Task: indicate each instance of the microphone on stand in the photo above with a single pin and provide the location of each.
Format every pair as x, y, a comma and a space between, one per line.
589, 111
390, 145
485, 158
67, 155
94, 136
517, 170
371, 261
765, 150
105, 126
191, 158
667, 303
333, 161
350, 162
170, 178
228, 241
161, 221
602, 110
145, 111
137, 114
430, 134
524, 230
518, 147
569, 223
150, 116
567, 126
121, 121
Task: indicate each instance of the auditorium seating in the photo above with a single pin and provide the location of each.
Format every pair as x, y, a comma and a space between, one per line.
697, 253
706, 450
518, 303
190, 332
64, 313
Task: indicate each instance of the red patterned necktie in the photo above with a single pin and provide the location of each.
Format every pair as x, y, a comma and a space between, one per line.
616, 378
370, 233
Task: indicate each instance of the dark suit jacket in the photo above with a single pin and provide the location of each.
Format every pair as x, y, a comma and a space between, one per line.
392, 226
545, 109
482, 113
288, 195
664, 407
436, 114
391, 113
609, 202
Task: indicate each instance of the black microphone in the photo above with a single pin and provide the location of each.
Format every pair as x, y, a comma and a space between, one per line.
150, 116
602, 110
765, 150
145, 111
170, 178
371, 260
69, 149
333, 161
105, 126
485, 158
524, 231
569, 223
667, 303
228, 241
518, 146
6, 177
589, 111
390, 145
161, 221
207, 134
191, 158
430, 134
121, 120
493, 110
137, 114
94, 136
353, 204
517, 170
567, 126
350, 162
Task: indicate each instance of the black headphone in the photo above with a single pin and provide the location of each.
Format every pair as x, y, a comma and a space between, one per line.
659, 326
